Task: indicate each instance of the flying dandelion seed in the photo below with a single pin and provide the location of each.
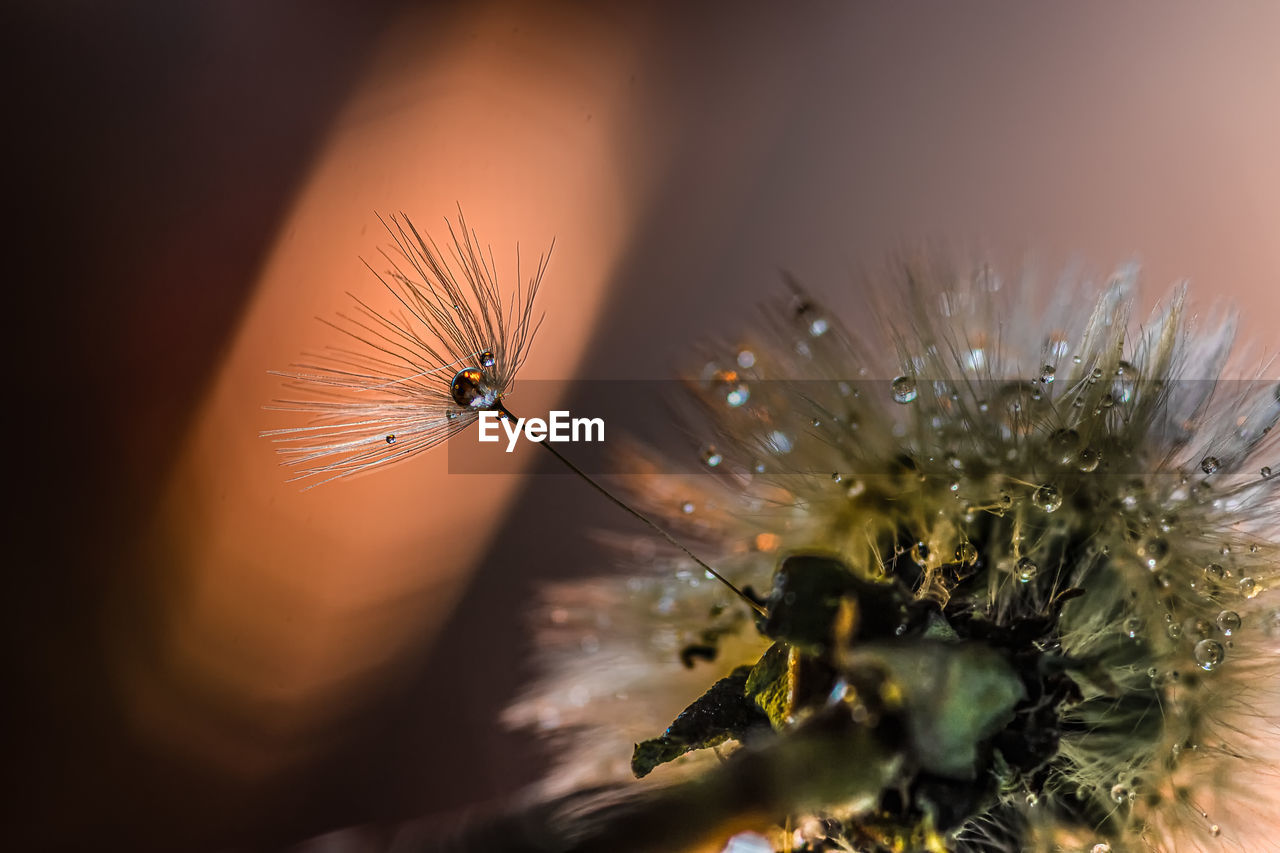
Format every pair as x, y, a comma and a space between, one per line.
1033, 595
391, 398
418, 375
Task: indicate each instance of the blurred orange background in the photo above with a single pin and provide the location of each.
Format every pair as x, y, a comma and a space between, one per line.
209, 658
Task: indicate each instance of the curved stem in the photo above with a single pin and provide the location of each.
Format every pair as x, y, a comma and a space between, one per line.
505, 412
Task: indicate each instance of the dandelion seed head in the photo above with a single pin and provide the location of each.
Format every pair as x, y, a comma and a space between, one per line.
1080, 495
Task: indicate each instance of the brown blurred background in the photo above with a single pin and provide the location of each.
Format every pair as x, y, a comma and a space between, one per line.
203, 657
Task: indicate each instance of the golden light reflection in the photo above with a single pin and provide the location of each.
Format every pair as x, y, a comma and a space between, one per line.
282, 611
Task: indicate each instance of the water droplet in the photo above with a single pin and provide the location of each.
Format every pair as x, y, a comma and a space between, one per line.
470, 390
1048, 498
1266, 472
1154, 552
1101, 847
1214, 572
1095, 375
487, 360
779, 442
966, 553
1063, 444
1248, 587
738, 395
1088, 460
904, 389
1127, 381
1215, 830
686, 507
1077, 359
920, 554
1209, 653
1132, 627
746, 359
1228, 622
1210, 464
835, 477
1174, 631
711, 457
1046, 374
819, 327
1025, 569
1120, 793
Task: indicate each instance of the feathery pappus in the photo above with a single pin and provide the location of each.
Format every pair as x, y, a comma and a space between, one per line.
411, 377
1032, 558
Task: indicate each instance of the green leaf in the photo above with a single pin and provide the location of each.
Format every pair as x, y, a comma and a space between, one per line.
722, 713
769, 684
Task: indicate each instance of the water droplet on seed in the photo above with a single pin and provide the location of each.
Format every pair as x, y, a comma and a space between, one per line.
1209, 653
470, 390
1155, 551
904, 389
1248, 587
1046, 373
1047, 498
1210, 464
391, 439
1228, 622
1063, 444
1088, 460
779, 442
966, 553
487, 360
1266, 472
711, 457
1025, 569
819, 327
